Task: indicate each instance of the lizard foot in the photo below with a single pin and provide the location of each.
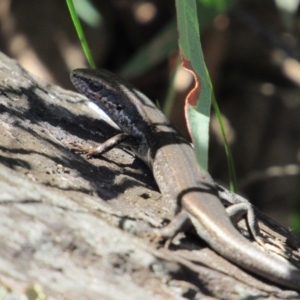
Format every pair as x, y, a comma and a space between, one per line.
170, 233
86, 150
157, 238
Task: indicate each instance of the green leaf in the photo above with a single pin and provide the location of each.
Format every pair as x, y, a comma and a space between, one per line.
198, 102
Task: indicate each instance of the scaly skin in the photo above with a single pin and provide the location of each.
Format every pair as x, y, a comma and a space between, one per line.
154, 140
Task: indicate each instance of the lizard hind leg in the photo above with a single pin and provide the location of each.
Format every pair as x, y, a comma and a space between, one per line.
180, 222
237, 211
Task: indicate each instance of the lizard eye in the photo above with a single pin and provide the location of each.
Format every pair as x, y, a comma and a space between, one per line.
119, 107
94, 86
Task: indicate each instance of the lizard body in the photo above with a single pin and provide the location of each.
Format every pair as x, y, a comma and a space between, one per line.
154, 140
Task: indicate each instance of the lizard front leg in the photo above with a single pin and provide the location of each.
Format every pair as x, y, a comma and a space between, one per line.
103, 148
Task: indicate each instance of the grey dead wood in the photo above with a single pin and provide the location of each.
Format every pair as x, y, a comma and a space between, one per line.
73, 228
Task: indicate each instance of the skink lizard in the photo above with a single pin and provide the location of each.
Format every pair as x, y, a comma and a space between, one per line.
172, 160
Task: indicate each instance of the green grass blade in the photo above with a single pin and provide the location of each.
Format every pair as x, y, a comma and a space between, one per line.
230, 162
80, 33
